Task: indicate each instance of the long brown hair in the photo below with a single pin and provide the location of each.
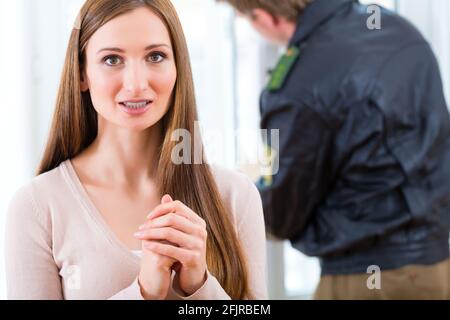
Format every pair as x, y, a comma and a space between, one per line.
75, 127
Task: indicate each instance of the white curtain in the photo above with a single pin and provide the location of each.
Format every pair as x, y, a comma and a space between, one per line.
14, 105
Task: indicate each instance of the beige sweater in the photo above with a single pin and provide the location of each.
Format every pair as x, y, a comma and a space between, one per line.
58, 246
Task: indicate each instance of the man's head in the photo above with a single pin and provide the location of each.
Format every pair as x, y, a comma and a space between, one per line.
274, 20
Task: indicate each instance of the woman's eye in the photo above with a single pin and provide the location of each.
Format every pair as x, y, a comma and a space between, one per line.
112, 61
156, 57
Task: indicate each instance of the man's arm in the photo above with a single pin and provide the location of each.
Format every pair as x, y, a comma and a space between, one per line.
291, 195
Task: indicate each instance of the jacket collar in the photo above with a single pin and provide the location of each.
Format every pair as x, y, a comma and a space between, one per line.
316, 13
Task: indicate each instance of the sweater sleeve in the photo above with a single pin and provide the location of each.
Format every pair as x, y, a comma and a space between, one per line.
31, 272
251, 233
132, 292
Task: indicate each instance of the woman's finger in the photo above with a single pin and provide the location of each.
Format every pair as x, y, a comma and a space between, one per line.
174, 236
166, 199
176, 207
188, 258
175, 221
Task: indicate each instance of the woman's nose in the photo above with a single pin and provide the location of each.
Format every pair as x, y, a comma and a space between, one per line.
136, 79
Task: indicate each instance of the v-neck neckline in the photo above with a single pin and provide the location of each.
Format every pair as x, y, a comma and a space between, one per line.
92, 210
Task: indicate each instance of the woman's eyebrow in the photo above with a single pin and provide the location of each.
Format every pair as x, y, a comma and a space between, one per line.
150, 47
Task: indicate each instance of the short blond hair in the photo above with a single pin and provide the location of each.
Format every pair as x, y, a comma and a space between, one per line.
290, 9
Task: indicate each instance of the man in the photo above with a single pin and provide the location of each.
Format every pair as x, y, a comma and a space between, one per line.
364, 150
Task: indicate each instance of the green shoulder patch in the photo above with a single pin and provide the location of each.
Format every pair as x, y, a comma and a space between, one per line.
283, 68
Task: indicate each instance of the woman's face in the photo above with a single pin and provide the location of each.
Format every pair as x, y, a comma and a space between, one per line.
130, 70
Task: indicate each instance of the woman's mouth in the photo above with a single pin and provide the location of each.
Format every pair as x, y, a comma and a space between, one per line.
136, 107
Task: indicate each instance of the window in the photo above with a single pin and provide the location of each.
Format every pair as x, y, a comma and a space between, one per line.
208, 32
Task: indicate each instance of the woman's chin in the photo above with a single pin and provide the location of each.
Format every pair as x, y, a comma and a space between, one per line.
138, 126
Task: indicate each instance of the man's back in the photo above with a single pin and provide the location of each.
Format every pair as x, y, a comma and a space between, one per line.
364, 176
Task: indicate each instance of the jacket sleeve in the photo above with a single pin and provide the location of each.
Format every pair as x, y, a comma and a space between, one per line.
292, 192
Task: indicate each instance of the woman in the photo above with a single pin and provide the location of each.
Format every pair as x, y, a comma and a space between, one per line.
73, 232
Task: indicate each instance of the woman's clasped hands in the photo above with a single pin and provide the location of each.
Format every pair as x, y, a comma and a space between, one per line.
173, 238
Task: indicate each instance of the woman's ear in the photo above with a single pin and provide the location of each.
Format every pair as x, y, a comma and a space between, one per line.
84, 84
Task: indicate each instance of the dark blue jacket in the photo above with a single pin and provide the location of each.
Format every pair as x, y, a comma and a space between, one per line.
364, 151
